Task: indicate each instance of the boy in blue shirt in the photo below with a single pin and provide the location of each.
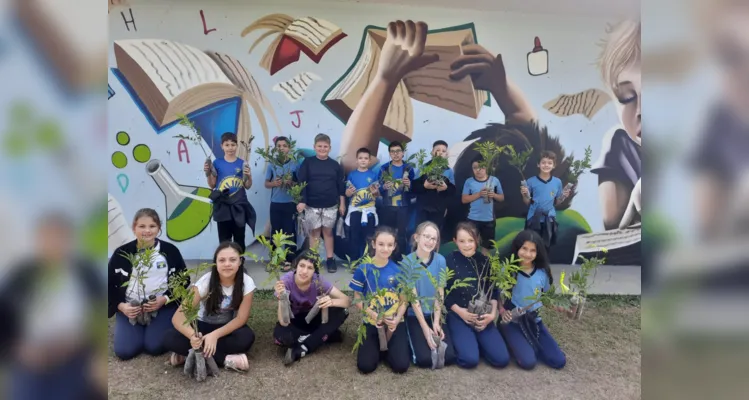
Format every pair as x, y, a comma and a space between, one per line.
362, 187
282, 208
542, 193
395, 196
230, 178
481, 192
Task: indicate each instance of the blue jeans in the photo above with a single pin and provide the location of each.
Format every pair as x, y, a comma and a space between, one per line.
470, 345
548, 352
130, 341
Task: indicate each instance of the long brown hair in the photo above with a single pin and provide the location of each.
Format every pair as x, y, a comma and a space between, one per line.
215, 292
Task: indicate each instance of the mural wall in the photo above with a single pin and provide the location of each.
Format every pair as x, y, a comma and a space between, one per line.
263, 72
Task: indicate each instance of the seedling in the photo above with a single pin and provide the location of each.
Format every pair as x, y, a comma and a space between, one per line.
489, 153
278, 250
142, 262
435, 170
278, 159
578, 167
195, 138
519, 161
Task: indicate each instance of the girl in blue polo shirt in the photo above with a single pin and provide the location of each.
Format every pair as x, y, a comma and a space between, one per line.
527, 336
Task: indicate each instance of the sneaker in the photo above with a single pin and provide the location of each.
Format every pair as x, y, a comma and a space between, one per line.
331, 264
237, 362
176, 360
294, 354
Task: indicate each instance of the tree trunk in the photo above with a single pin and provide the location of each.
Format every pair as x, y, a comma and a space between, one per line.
285, 308
578, 305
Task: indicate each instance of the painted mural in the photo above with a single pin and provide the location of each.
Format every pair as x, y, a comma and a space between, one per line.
366, 87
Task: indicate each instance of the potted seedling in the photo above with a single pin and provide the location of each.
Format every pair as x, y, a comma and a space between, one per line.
480, 302
278, 251
519, 161
295, 191
489, 152
582, 279
142, 262
195, 138
578, 167
320, 293
196, 364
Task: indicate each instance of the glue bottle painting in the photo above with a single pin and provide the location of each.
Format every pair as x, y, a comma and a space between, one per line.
188, 208
538, 59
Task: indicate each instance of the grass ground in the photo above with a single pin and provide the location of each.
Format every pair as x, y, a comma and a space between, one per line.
603, 361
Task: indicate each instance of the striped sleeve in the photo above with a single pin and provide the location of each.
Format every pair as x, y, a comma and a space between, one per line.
357, 281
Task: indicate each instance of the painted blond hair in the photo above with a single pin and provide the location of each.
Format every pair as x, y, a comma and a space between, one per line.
621, 49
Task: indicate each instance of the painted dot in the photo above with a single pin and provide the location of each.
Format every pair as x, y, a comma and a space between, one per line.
119, 159
123, 138
141, 153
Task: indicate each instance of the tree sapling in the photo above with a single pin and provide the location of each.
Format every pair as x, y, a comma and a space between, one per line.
278, 250
519, 161
489, 152
196, 139
142, 262
578, 167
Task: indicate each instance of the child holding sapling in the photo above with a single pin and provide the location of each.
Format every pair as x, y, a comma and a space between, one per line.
542, 194
481, 191
522, 327
473, 308
304, 333
224, 296
138, 288
375, 293
424, 320
395, 179
362, 188
229, 178
279, 178
435, 187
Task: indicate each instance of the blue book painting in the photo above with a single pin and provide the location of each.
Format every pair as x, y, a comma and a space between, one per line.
166, 79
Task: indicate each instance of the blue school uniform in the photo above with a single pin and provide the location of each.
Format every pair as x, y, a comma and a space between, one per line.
544, 195
370, 278
280, 194
397, 199
480, 210
528, 338
436, 265
229, 175
362, 214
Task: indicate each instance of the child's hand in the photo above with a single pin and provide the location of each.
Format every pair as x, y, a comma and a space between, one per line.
300, 207
507, 316
566, 192
155, 304
374, 189
388, 185
524, 191
279, 288
277, 182
406, 182
128, 310
246, 170
391, 323
342, 210
209, 344
324, 302
430, 185
430, 340
442, 187
350, 191
207, 166
439, 332
468, 318
196, 341
288, 182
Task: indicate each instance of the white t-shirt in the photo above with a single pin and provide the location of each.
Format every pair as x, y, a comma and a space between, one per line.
225, 314
155, 280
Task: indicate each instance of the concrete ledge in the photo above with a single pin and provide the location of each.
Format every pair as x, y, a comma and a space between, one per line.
610, 279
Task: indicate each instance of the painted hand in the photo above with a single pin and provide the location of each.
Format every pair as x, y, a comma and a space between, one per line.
403, 50
487, 71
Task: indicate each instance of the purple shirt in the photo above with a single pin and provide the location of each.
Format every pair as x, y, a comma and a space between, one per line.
302, 301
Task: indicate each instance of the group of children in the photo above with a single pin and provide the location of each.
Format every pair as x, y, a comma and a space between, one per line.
225, 298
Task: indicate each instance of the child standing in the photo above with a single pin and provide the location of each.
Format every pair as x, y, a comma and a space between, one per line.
381, 274
433, 198
527, 336
282, 207
481, 192
361, 188
395, 180
323, 197
131, 340
542, 193
230, 178
424, 320
225, 297
472, 335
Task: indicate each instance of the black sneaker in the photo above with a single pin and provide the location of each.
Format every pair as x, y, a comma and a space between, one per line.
293, 354
331, 264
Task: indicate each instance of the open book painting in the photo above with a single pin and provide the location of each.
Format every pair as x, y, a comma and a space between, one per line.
430, 84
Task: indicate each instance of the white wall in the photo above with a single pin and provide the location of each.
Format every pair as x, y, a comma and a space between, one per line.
571, 42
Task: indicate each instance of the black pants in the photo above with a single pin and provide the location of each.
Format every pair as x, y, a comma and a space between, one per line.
438, 217
397, 218
282, 218
398, 354
237, 342
421, 351
487, 231
317, 333
361, 236
229, 231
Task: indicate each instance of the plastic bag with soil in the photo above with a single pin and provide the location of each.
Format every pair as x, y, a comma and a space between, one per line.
316, 310
199, 367
516, 312
382, 335
438, 354
286, 313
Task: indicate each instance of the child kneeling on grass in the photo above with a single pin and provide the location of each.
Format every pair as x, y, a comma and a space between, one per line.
527, 336
303, 335
225, 297
371, 278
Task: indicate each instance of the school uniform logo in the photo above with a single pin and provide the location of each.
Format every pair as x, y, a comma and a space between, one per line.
386, 302
160, 264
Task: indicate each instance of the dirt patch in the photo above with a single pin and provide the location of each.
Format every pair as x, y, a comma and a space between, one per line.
603, 361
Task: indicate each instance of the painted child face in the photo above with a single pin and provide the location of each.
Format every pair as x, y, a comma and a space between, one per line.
479, 172
227, 263
282, 146
546, 165
304, 271
628, 96
362, 160
439, 151
466, 243
527, 253
427, 240
146, 229
229, 147
384, 244
322, 149
396, 154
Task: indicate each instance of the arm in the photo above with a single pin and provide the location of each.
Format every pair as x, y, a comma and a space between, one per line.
402, 307
470, 198
358, 298
178, 320
247, 181
416, 305
339, 299
302, 174
437, 313
269, 182
240, 320
614, 198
